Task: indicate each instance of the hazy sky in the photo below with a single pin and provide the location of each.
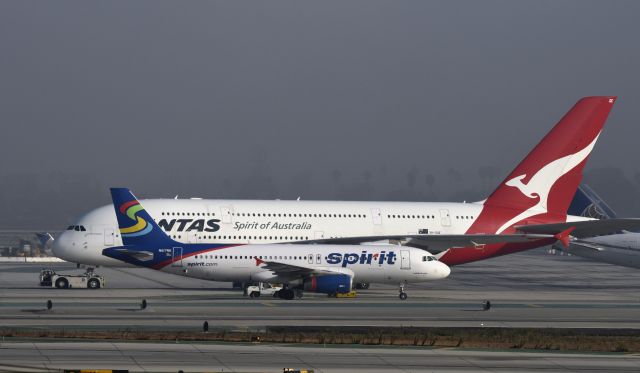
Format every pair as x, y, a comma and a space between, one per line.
275, 99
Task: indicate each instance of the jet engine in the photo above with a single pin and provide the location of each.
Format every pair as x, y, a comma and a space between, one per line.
329, 284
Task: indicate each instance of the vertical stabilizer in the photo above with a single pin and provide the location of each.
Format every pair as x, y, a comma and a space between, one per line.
136, 226
542, 186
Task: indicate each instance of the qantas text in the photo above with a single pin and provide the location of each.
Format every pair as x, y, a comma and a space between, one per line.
181, 225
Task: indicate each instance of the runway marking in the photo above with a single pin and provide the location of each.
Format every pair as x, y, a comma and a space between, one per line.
535, 305
268, 304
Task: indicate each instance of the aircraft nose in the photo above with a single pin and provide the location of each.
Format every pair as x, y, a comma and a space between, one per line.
444, 270
58, 247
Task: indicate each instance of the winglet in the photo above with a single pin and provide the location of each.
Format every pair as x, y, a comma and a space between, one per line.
258, 261
563, 236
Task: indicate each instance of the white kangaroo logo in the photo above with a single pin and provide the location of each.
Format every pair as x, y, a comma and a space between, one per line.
541, 183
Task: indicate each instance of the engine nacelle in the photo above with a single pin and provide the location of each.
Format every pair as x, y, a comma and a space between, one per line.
329, 284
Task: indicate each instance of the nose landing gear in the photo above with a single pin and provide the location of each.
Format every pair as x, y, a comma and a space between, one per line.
402, 295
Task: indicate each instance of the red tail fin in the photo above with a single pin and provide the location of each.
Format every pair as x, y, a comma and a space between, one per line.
541, 187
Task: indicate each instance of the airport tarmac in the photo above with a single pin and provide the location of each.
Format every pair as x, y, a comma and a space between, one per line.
214, 357
530, 289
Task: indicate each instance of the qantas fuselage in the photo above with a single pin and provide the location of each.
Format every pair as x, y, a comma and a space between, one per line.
263, 222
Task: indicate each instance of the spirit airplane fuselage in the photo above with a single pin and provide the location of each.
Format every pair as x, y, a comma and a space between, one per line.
364, 263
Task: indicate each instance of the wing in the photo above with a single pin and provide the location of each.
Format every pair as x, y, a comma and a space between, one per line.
586, 228
438, 242
585, 245
285, 270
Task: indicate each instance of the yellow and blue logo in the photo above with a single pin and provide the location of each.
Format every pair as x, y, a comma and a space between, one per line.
141, 227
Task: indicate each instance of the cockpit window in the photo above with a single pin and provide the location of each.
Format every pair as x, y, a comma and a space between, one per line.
70, 228
82, 228
76, 228
429, 258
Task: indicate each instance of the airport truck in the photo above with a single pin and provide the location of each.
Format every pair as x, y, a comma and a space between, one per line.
254, 291
87, 280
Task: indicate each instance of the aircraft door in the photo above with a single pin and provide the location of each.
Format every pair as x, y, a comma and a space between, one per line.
376, 216
310, 258
318, 258
192, 237
108, 236
405, 259
318, 235
445, 218
177, 257
225, 212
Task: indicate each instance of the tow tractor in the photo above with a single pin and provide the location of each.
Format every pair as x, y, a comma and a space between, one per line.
87, 280
262, 288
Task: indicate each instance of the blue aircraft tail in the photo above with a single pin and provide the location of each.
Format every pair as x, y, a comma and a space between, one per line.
588, 203
136, 226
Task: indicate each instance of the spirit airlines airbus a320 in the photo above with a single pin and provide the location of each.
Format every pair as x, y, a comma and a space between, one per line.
329, 269
527, 210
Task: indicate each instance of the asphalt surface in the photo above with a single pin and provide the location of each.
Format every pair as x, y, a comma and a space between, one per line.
16, 357
532, 289
526, 290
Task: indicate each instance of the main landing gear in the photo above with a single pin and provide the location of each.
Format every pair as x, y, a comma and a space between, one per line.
288, 294
402, 295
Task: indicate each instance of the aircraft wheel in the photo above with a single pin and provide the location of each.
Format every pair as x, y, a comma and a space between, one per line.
403, 296
287, 294
93, 284
62, 283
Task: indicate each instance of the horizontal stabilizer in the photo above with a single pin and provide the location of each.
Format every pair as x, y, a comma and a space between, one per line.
137, 254
587, 228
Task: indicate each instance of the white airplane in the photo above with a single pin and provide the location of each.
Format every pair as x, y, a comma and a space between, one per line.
622, 248
527, 210
328, 269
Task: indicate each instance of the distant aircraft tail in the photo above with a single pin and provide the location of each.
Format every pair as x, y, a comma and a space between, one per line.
539, 190
586, 202
136, 226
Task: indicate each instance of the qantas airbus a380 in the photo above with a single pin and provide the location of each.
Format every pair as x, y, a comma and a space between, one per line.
527, 210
